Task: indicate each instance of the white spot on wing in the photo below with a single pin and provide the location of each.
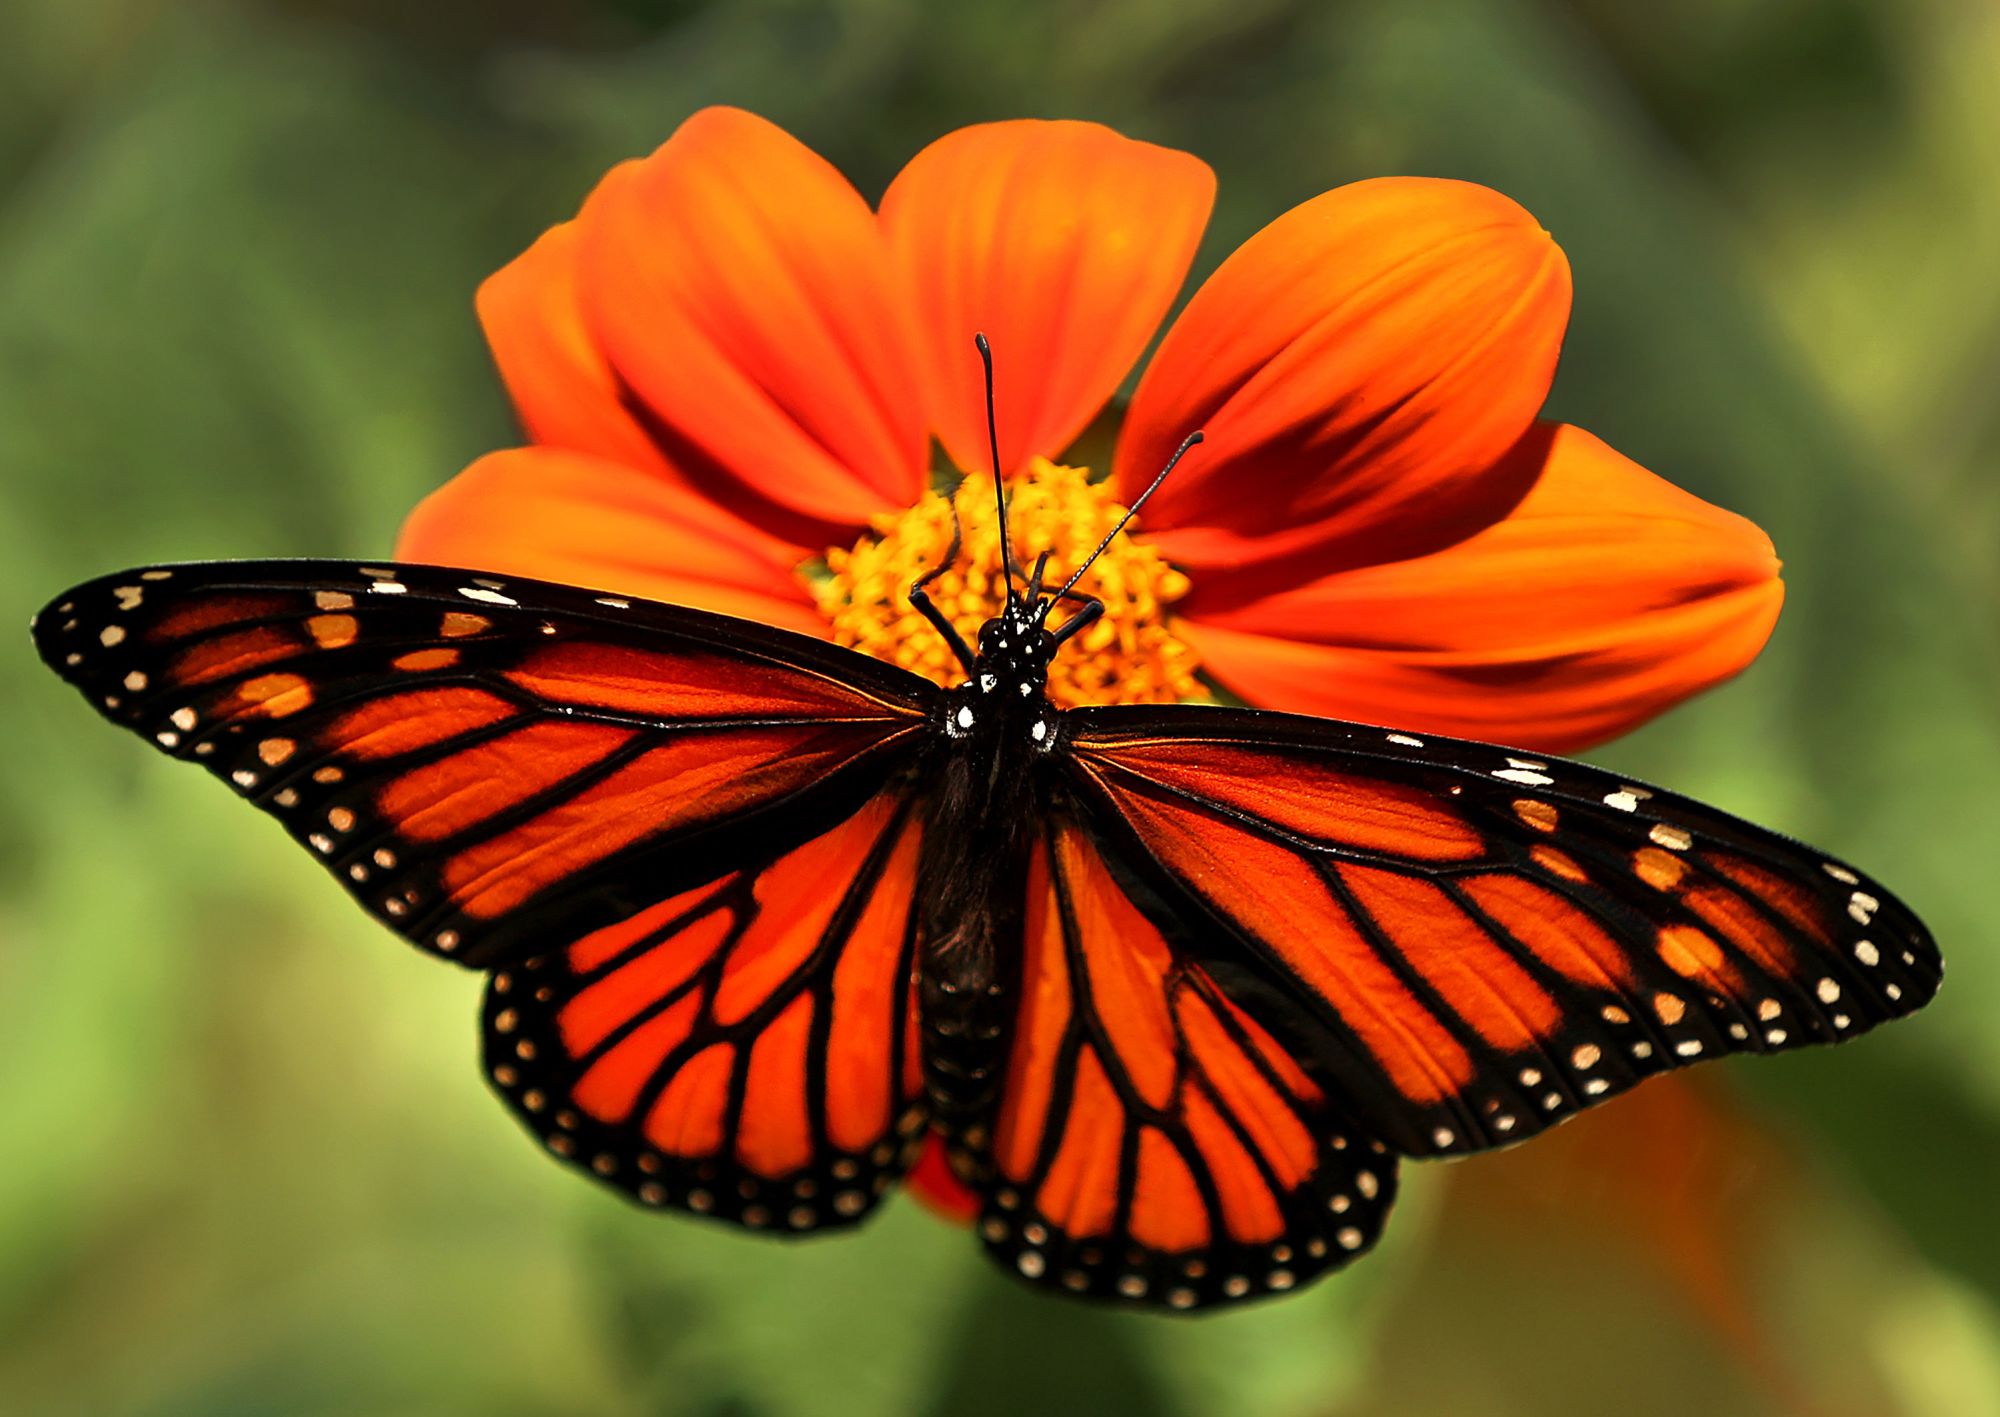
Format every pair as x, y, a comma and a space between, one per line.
1671, 837
491, 597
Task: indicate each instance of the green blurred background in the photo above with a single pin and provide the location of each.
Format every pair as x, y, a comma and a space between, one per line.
246, 1163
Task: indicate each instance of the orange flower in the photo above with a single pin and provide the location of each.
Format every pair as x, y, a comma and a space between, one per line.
731, 371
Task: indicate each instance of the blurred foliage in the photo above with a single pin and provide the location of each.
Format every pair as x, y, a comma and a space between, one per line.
248, 1167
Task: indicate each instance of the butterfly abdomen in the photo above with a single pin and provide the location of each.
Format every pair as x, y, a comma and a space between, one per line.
965, 1002
969, 953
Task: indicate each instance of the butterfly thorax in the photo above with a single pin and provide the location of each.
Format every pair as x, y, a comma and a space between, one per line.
981, 810
1003, 704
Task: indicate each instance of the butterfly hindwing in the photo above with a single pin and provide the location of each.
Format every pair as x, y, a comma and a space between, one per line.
1154, 1144
489, 765
1474, 944
742, 1050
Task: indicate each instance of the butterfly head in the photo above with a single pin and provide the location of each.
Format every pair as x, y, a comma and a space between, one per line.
1014, 652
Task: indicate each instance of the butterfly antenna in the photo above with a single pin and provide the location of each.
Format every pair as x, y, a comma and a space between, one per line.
993, 445
1130, 512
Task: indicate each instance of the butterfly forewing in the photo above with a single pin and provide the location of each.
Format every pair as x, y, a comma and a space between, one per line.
1472, 943
488, 765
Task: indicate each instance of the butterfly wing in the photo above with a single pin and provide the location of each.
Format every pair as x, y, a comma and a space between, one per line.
1155, 1144
1268, 954
683, 841
1475, 944
743, 1049
489, 766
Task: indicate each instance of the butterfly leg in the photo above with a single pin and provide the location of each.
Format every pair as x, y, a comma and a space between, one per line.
1087, 615
921, 602
1035, 580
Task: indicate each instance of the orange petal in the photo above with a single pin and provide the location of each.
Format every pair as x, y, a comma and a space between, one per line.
563, 516
933, 1182
1359, 366
742, 288
1608, 595
1065, 243
562, 387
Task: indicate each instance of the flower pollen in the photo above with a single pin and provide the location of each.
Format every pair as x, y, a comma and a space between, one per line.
1129, 656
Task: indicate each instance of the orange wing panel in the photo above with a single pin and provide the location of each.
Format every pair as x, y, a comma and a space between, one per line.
691, 687
1307, 798
1284, 901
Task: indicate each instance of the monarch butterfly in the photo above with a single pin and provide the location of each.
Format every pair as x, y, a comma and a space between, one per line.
1177, 986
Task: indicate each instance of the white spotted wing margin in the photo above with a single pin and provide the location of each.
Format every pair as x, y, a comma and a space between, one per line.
1467, 943
488, 763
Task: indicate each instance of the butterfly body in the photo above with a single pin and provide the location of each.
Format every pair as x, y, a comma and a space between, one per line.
1176, 986
986, 787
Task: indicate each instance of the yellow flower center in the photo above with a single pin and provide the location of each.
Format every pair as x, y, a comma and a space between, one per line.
1128, 657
